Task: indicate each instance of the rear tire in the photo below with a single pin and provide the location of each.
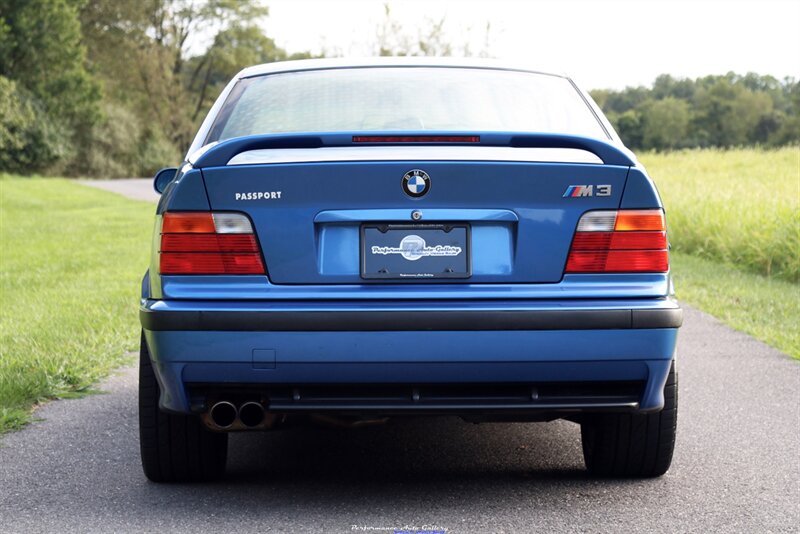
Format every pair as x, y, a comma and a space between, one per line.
174, 448
624, 445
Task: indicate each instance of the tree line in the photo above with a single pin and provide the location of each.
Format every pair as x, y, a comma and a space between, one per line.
712, 111
110, 88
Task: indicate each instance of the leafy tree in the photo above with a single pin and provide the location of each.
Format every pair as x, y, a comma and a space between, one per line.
155, 36
727, 112
30, 141
232, 49
666, 86
629, 126
788, 116
41, 51
163, 81
622, 101
162, 60
665, 123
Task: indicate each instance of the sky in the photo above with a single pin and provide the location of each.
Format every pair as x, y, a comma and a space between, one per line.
601, 44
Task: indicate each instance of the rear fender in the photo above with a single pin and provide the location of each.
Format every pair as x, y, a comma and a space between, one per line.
186, 192
146, 285
640, 191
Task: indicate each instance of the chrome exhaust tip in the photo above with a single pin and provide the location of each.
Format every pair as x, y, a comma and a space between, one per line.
223, 414
251, 414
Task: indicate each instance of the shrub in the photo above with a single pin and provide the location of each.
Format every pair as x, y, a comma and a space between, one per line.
30, 141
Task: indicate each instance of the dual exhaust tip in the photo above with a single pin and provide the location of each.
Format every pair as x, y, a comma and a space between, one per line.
224, 414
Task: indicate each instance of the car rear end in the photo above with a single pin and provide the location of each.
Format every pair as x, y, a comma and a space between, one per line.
413, 239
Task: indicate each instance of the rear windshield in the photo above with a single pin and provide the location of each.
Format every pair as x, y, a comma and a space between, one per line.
405, 98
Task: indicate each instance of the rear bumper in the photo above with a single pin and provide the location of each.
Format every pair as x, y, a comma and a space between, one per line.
466, 357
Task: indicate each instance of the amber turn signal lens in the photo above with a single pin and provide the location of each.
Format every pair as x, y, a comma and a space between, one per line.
640, 220
188, 223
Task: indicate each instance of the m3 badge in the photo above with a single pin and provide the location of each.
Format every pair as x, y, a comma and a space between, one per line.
574, 191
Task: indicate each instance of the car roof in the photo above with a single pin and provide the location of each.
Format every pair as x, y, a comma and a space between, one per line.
406, 61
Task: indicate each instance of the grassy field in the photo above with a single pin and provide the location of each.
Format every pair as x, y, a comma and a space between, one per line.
740, 207
767, 309
71, 258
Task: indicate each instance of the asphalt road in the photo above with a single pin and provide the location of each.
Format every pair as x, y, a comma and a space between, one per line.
135, 188
736, 468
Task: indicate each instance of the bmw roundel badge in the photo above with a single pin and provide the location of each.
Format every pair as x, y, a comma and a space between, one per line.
416, 183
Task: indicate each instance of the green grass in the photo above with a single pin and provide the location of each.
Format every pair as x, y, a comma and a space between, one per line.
767, 309
71, 259
740, 207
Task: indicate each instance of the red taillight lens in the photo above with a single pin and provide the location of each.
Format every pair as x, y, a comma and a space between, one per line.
618, 261
205, 263
619, 240
637, 243
206, 243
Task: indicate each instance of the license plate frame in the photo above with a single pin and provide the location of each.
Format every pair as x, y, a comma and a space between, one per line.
391, 261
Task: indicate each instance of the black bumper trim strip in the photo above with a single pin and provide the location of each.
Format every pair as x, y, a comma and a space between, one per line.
667, 318
412, 320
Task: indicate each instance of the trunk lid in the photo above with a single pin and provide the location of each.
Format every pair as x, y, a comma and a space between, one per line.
312, 217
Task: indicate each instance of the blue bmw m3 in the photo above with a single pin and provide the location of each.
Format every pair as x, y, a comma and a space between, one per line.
408, 237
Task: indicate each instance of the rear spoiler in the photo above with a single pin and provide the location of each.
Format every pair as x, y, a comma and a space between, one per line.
220, 154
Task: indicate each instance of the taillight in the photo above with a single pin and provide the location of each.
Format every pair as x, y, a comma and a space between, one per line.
208, 243
625, 241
